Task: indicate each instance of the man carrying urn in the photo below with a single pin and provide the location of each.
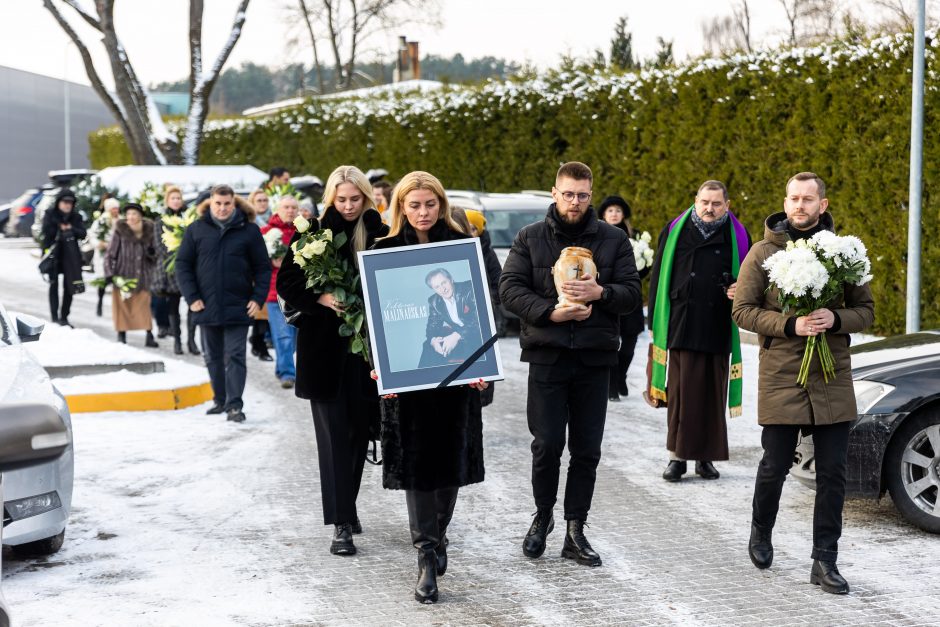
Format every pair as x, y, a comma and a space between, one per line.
569, 347
691, 288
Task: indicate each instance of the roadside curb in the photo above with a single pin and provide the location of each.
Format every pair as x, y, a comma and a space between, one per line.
149, 400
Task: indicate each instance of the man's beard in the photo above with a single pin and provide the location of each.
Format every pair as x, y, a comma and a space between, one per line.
570, 219
804, 222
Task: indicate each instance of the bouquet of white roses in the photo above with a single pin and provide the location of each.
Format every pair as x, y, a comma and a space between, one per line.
327, 271
173, 229
642, 251
810, 274
274, 242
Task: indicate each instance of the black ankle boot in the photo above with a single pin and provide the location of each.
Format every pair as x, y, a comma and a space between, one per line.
177, 346
122, 337
342, 543
150, 342
759, 547
191, 336
98, 309
577, 547
674, 470
542, 525
826, 576
426, 588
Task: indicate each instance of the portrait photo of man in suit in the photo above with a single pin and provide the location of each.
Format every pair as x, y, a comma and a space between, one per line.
453, 328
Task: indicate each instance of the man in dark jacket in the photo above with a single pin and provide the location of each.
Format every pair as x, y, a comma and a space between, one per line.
224, 273
62, 226
569, 349
826, 409
695, 266
453, 330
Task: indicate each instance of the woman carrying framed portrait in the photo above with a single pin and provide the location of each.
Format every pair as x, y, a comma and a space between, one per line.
432, 440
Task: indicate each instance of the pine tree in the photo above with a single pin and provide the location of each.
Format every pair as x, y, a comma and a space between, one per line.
621, 47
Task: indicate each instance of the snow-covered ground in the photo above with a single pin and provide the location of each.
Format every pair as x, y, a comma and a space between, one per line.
181, 518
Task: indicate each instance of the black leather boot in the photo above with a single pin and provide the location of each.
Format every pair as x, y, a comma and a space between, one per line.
426, 588
150, 342
446, 500
826, 576
674, 470
542, 525
175, 332
759, 547
342, 543
356, 527
191, 336
98, 308
577, 547
706, 470
122, 337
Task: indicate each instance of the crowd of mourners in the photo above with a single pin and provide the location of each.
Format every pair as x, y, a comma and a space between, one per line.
706, 277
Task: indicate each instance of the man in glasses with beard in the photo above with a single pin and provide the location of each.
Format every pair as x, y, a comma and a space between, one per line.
569, 349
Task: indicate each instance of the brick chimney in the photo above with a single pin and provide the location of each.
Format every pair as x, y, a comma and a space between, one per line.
408, 66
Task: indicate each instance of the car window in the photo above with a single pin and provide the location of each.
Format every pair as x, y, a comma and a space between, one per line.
503, 225
23, 199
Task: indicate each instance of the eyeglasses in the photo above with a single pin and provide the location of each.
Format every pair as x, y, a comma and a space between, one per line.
570, 196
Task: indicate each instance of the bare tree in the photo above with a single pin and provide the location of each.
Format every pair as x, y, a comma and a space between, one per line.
902, 15
794, 10
148, 138
347, 24
730, 33
308, 17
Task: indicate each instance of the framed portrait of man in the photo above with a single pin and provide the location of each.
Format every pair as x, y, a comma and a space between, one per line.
430, 317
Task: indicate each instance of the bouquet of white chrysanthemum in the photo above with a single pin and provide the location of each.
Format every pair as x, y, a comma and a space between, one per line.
274, 242
173, 229
642, 251
810, 274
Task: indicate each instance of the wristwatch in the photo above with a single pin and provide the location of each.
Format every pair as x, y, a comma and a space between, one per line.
605, 294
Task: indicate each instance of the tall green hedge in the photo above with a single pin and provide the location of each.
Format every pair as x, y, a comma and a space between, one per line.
751, 121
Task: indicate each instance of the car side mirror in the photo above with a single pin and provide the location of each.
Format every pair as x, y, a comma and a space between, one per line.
30, 434
29, 328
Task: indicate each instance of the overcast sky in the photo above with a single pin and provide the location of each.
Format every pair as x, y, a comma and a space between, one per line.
155, 32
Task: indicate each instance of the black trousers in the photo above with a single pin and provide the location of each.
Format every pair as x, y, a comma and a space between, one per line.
429, 513
831, 448
159, 311
618, 373
224, 350
342, 429
54, 297
573, 395
258, 330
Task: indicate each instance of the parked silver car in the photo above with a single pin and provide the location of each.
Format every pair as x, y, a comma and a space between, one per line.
37, 500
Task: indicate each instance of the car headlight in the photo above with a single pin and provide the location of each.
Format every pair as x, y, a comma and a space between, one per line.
867, 393
32, 505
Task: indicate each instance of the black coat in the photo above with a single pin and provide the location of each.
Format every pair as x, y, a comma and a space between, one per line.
225, 268
321, 351
68, 257
527, 289
699, 309
493, 268
431, 438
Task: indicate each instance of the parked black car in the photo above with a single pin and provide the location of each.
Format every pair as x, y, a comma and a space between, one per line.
894, 445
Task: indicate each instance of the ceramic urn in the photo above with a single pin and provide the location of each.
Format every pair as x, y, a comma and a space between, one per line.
573, 263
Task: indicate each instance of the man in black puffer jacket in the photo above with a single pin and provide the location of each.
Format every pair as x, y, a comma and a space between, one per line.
569, 349
224, 273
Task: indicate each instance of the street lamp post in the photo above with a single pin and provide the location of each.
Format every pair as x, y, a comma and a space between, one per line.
66, 108
916, 181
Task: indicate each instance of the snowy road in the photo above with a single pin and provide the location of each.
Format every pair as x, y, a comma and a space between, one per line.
183, 519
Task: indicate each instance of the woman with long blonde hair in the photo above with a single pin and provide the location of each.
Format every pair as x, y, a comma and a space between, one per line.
343, 399
432, 440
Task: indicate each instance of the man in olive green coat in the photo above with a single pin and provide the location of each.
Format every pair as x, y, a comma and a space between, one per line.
784, 409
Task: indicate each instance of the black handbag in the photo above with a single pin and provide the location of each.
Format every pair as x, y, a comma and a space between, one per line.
291, 315
47, 262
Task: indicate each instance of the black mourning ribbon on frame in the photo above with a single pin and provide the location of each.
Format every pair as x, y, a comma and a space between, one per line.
469, 361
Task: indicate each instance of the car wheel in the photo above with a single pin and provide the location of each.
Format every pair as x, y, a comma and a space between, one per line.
39, 548
912, 469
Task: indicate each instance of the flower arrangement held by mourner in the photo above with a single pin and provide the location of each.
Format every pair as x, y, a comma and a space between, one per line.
273, 242
317, 254
810, 273
173, 229
642, 251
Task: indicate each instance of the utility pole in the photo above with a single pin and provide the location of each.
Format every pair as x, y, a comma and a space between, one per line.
915, 194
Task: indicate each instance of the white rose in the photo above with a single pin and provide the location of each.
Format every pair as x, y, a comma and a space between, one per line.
328, 235
302, 224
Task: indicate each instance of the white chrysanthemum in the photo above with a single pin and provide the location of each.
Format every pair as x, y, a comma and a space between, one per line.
642, 253
797, 272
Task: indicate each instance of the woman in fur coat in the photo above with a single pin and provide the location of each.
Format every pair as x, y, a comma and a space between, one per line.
131, 255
